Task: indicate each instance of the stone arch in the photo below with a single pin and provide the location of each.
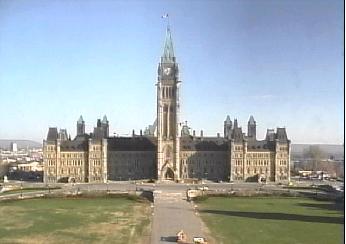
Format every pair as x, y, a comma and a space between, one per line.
168, 174
71, 180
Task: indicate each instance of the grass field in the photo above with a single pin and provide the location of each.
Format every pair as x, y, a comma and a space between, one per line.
93, 220
242, 220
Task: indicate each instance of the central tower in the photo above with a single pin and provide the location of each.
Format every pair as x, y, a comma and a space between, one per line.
167, 113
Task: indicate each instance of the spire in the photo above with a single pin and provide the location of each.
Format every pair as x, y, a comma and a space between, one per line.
168, 51
235, 124
80, 120
252, 121
104, 120
228, 120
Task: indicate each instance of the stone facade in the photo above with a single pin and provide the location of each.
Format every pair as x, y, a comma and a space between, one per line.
167, 150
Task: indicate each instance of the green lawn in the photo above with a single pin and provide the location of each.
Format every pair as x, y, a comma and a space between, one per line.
92, 220
243, 220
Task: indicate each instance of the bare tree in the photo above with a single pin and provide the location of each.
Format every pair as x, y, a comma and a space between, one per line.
3, 168
314, 155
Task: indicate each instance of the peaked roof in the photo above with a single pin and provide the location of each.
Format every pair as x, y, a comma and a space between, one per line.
252, 120
104, 120
235, 123
52, 134
228, 120
80, 120
281, 134
168, 51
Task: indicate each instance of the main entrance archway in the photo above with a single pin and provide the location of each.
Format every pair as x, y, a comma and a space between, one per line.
169, 174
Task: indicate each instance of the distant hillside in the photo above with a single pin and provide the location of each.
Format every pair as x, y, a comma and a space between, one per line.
330, 149
6, 144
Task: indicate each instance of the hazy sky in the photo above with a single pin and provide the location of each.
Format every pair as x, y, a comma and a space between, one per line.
280, 61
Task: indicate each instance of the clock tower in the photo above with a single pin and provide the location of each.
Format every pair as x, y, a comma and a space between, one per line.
167, 114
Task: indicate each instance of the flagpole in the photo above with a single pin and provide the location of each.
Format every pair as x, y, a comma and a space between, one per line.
168, 25
166, 16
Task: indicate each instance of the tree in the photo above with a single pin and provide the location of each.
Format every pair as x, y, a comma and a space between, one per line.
314, 155
3, 169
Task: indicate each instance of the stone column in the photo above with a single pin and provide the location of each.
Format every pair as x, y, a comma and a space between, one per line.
276, 159
45, 163
289, 161
231, 160
104, 160
58, 155
244, 157
168, 121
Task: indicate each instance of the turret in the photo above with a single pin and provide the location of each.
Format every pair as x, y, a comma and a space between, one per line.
235, 123
251, 128
227, 128
102, 128
80, 126
105, 126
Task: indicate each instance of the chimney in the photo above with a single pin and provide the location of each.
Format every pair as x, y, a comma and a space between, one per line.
201, 133
218, 135
194, 133
133, 133
140, 132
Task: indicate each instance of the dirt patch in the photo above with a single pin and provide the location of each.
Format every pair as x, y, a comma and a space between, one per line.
125, 226
15, 224
207, 232
37, 239
141, 230
14, 221
117, 214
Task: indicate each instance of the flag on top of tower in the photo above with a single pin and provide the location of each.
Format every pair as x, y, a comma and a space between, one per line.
164, 16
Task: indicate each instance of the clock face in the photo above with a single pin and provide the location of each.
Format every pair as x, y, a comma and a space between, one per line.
167, 71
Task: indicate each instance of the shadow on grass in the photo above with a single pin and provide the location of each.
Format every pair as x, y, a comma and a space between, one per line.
327, 206
278, 216
169, 238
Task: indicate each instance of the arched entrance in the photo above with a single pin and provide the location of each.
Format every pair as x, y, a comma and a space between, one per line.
71, 180
169, 174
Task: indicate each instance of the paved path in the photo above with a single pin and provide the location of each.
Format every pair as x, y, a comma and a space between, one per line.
173, 213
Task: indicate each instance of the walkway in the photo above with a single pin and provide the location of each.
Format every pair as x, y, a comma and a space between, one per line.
173, 213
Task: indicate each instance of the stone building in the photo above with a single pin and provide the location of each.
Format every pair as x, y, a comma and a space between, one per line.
167, 150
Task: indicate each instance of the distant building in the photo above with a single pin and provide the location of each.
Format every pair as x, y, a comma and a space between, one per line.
166, 150
30, 166
14, 147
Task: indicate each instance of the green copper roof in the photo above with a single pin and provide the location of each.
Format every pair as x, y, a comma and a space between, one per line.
168, 51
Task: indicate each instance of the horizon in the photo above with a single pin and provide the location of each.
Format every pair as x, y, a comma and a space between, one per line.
273, 60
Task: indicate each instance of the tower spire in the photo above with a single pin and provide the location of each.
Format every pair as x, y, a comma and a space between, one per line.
168, 50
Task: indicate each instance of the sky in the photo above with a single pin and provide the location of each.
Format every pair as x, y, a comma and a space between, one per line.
280, 61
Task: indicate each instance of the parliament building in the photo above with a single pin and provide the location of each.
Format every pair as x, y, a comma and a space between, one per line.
166, 150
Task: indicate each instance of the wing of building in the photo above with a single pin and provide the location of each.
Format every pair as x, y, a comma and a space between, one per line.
167, 150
